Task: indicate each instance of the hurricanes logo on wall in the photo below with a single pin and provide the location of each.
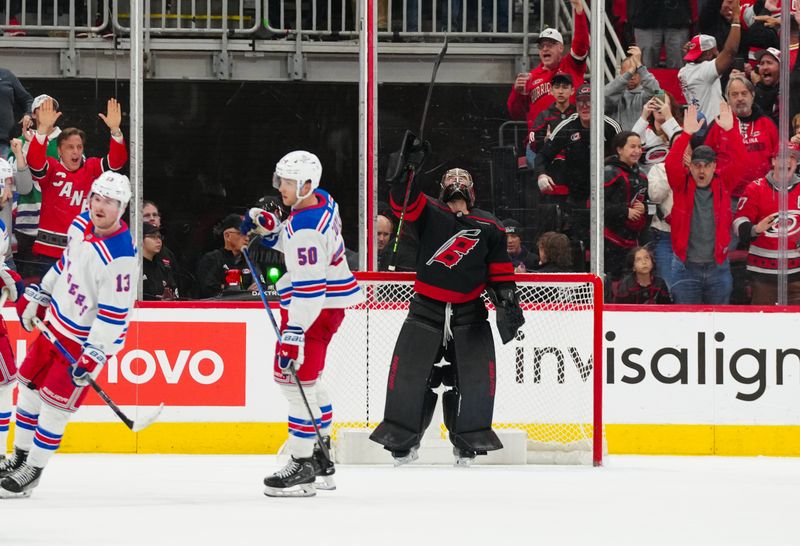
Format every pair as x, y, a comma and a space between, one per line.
456, 247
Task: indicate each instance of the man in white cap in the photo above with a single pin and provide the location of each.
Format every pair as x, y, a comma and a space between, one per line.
700, 77
767, 87
530, 94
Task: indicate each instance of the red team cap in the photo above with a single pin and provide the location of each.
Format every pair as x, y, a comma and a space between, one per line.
698, 45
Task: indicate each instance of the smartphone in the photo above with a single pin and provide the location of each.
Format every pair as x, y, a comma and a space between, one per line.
659, 96
738, 64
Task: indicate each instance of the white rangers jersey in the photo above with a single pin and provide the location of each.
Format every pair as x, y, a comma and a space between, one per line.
317, 276
4, 242
93, 286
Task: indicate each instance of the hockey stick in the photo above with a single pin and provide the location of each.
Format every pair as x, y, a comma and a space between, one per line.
408, 141
135, 426
322, 446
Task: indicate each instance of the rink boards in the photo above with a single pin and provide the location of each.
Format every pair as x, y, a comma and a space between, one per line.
677, 381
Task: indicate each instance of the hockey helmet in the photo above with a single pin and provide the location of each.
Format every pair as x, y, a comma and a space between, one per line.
6, 171
457, 184
114, 186
301, 166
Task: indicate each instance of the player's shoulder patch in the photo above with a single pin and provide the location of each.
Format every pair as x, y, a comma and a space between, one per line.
316, 218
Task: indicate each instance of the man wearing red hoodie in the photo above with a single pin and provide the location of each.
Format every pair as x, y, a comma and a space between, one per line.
701, 216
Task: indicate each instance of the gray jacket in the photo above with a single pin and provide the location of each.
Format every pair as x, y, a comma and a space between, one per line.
626, 106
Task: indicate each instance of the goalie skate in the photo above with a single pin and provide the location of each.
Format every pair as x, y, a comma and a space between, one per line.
296, 479
464, 458
404, 457
20, 482
324, 468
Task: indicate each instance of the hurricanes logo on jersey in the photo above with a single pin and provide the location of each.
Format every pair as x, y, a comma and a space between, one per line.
456, 247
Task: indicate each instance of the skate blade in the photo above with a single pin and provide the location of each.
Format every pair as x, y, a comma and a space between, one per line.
410, 458
6, 494
463, 462
325, 483
302, 490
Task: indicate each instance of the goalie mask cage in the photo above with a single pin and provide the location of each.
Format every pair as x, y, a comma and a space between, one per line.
549, 378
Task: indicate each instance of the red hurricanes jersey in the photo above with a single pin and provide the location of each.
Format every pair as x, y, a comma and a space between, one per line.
537, 97
65, 194
760, 199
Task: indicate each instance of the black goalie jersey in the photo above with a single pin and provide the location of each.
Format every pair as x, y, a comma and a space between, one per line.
458, 254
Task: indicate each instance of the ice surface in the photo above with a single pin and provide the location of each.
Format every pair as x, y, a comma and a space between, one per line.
164, 500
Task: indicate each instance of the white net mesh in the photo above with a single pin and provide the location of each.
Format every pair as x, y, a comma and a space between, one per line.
544, 376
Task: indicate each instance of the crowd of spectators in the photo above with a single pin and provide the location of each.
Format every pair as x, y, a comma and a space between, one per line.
691, 144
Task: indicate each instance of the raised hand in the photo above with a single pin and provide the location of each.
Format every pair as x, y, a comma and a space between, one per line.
690, 123
113, 116
16, 146
725, 117
577, 5
46, 117
519, 83
636, 56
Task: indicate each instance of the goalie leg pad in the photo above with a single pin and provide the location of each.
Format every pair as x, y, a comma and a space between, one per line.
469, 407
409, 400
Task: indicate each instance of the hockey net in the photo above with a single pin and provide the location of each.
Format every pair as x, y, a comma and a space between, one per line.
546, 384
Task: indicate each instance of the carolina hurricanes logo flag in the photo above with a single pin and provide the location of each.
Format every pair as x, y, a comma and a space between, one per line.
456, 247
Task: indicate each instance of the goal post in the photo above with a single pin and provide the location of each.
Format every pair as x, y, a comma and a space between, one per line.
548, 383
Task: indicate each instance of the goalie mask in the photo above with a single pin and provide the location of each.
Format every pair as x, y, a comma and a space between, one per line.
457, 184
301, 166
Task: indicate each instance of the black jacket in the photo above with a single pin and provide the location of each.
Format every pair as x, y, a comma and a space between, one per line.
158, 279
572, 139
659, 13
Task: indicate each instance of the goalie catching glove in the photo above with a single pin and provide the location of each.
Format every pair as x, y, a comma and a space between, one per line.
293, 340
264, 223
509, 313
33, 303
89, 365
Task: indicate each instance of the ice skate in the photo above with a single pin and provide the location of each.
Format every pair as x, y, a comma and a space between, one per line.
464, 457
324, 468
296, 479
13, 462
404, 457
20, 482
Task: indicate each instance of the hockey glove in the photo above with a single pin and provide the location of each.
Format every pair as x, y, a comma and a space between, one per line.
33, 303
264, 223
89, 365
293, 340
13, 282
509, 313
